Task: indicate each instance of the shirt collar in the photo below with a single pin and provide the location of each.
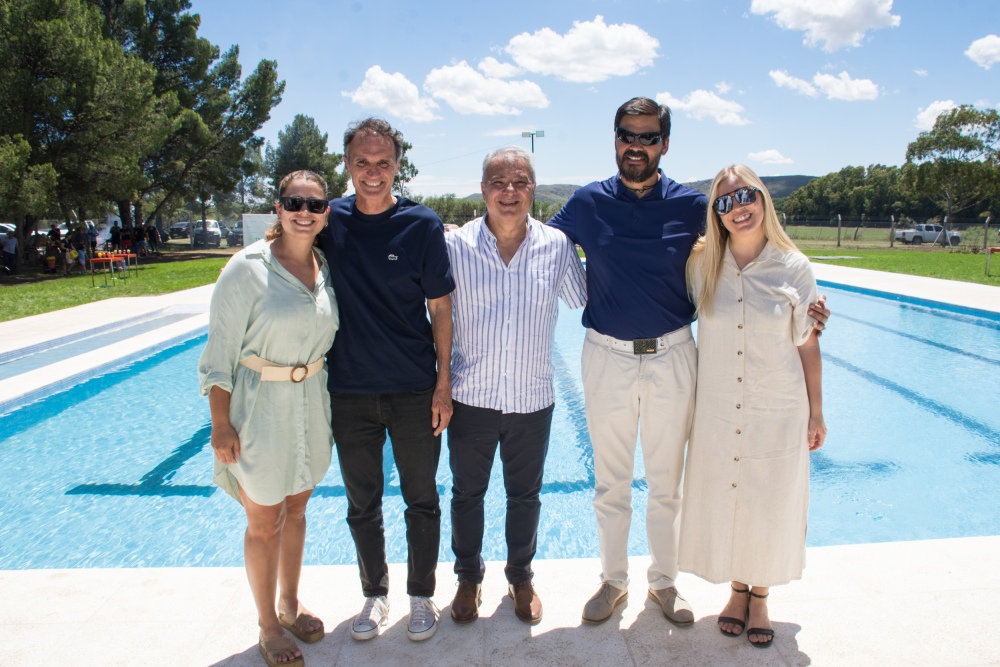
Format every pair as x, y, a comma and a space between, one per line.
659, 190
770, 253
486, 234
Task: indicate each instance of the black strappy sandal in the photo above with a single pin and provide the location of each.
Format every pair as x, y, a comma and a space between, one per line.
742, 622
759, 631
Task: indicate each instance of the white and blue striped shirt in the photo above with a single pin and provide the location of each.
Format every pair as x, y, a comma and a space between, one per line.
505, 316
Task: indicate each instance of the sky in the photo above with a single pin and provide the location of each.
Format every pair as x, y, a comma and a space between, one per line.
783, 86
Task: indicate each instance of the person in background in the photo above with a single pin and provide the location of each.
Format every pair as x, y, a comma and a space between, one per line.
759, 406
153, 239
273, 316
115, 237
10, 254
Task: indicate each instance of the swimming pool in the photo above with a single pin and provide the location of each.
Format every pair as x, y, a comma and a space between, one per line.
116, 472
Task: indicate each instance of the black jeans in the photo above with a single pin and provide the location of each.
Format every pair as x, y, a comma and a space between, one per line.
360, 424
473, 435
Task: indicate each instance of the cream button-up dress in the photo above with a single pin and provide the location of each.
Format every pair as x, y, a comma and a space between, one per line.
746, 480
259, 308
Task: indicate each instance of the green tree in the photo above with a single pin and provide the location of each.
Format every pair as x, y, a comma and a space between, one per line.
407, 172
954, 165
81, 103
25, 189
301, 145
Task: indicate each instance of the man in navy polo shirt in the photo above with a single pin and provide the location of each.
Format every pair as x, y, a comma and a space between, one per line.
389, 368
639, 358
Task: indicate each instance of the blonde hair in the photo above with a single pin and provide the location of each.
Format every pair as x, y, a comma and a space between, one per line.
274, 231
705, 262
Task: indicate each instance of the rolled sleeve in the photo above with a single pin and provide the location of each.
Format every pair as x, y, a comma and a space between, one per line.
804, 284
228, 318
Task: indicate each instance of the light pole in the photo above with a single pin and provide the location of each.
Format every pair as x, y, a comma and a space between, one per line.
539, 134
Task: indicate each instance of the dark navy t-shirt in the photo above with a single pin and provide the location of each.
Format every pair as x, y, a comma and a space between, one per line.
383, 268
636, 250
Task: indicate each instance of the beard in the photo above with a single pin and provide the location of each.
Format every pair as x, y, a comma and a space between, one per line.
637, 173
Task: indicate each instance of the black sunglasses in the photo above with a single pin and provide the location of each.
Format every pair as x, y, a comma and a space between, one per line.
746, 195
646, 138
295, 203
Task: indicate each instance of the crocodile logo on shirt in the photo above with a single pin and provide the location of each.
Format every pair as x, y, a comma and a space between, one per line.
392, 258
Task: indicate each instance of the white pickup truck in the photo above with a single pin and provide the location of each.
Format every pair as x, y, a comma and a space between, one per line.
928, 234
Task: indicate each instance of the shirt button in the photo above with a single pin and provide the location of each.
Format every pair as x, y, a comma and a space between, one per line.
739, 353
738, 406
739, 326
736, 458
734, 485
739, 379
737, 430
738, 273
739, 300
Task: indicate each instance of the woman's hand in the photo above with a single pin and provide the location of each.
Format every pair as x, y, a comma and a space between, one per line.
817, 432
225, 442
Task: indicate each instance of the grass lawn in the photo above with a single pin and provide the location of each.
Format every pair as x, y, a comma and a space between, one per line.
58, 292
964, 266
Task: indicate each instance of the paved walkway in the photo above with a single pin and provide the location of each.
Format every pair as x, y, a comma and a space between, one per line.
901, 603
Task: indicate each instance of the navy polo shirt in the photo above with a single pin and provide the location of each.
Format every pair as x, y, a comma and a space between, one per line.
637, 248
383, 268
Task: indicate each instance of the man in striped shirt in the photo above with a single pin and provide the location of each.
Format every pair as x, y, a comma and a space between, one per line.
509, 271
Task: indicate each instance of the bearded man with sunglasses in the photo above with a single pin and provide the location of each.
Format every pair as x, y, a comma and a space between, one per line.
639, 359
389, 368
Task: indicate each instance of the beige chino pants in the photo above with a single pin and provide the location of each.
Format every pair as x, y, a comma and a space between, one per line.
628, 395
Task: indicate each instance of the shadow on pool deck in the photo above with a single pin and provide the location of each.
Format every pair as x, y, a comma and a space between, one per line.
899, 603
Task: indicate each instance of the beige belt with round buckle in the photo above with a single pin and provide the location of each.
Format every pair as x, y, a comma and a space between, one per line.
270, 372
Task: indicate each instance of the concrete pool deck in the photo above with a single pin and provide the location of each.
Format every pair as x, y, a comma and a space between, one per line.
901, 603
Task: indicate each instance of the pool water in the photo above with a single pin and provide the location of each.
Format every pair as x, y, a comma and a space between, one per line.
116, 472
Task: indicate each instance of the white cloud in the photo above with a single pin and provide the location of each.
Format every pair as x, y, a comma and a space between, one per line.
920, 72
468, 92
591, 51
702, 104
393, 94
985, 51
926, 116
770, 156
495, 69
832, 23
841, 87
785, 80
723, 87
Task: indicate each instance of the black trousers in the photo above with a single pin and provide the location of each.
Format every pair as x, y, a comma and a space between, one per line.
360, 424
473, 435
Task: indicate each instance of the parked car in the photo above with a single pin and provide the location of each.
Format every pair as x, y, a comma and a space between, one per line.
224, 230
235, 237
7, 228
206, 235
180, 230
928, 234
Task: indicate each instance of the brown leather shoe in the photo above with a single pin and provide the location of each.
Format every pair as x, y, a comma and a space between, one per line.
527, 604
465, 606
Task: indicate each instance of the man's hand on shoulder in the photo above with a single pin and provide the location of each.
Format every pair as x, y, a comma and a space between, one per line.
820, 313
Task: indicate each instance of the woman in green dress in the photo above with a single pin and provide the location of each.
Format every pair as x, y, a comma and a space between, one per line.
273, 317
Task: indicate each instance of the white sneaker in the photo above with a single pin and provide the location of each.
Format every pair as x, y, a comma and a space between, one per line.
423, 621
373, 617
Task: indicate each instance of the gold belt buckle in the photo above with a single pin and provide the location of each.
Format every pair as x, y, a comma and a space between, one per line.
643, 345
303, 368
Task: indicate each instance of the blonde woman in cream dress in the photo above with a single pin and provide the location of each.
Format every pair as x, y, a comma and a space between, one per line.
759, 406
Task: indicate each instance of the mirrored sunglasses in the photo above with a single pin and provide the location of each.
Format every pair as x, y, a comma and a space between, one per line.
646, 138
743, 196
312, 204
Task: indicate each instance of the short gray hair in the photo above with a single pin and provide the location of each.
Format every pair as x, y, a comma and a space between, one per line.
510, 155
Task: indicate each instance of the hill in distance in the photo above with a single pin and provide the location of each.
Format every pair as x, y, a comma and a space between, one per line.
778, 186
